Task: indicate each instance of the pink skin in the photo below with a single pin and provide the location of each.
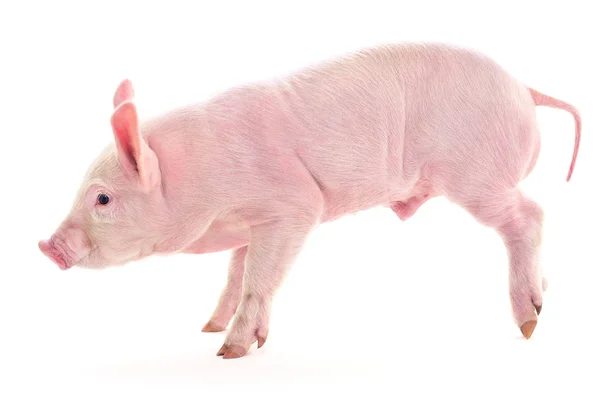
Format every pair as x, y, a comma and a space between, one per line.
56, 253
231, 294
257, 168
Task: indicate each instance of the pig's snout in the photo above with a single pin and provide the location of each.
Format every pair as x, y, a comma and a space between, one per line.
52, 251
65, 251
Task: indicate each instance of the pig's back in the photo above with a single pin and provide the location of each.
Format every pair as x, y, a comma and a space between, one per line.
343, 112
367, 125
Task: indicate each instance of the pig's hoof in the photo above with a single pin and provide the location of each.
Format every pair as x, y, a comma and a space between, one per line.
231, 351
261, 341
528, 327
538, 309
221, 352
211, 327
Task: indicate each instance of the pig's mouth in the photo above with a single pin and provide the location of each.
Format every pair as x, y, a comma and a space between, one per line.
59, 252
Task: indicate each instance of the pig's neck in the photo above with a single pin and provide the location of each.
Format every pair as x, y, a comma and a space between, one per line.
175, 138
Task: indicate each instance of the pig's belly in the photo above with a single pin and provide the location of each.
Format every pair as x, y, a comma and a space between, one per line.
382, 192
221, 236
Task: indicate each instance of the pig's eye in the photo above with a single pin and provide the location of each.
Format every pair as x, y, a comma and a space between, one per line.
103, 199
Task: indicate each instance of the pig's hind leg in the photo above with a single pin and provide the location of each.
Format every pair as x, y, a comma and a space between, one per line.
518, 221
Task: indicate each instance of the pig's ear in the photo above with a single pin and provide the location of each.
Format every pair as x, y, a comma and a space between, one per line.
123, 93
135, 156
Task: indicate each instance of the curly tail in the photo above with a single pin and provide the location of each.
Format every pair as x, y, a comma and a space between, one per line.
544, 100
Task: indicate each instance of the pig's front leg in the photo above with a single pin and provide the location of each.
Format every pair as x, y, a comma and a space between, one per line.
231, 294
273, 248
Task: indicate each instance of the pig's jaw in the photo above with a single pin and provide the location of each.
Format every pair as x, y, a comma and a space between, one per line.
57, 250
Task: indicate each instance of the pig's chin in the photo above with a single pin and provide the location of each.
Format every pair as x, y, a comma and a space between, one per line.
96, 260
91, 263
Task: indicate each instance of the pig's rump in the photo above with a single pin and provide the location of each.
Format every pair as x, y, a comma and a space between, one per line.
399, 125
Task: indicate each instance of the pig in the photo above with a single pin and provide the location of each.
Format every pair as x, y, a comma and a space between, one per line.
256, 168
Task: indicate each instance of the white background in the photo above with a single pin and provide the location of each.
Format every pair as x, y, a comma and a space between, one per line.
374, 307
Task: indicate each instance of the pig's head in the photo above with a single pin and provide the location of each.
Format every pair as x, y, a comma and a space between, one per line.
116, 215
